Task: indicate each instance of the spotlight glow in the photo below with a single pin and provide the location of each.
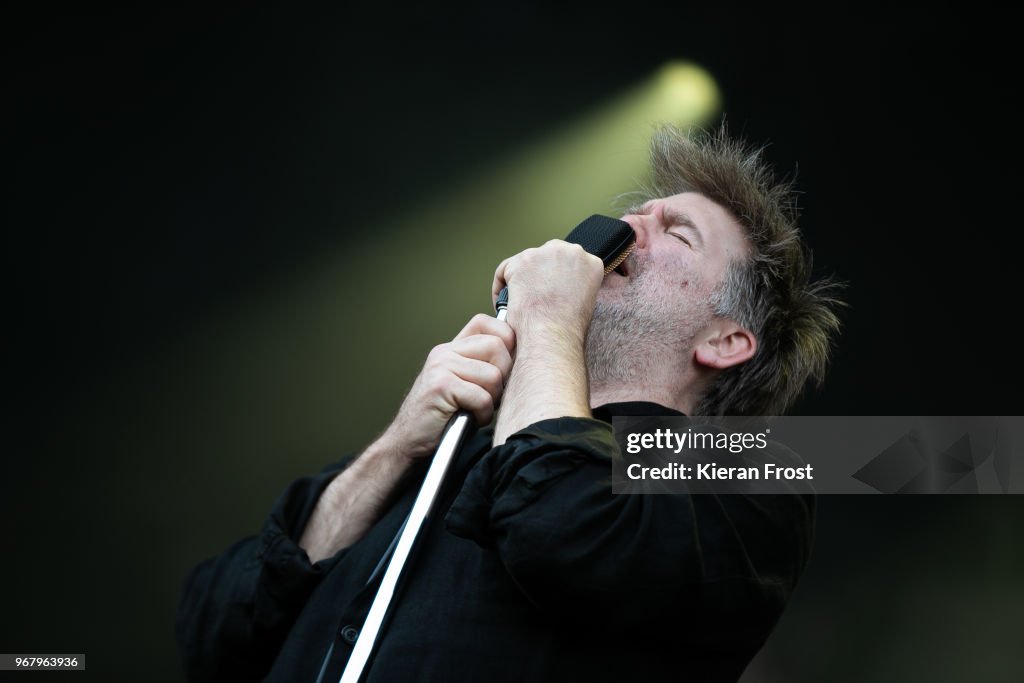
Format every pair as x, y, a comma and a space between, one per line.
687, 94
340, 338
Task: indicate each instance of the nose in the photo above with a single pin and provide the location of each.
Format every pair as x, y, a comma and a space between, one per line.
641, 225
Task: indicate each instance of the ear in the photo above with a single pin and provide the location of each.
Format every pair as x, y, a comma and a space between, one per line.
725, 344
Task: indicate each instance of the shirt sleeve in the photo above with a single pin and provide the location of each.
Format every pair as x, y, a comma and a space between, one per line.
236, 609
543, 502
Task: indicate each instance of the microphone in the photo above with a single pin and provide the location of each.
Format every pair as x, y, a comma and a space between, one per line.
609, 239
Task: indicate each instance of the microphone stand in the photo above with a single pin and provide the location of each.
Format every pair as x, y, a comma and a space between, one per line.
421, 509
610, 239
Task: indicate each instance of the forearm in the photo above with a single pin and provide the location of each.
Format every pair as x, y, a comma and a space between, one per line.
548, 380
465, 374
354, 500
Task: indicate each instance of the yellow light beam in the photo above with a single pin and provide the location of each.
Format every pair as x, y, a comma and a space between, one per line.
319, 362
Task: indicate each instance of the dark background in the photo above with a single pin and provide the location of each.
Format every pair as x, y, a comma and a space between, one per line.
171, 174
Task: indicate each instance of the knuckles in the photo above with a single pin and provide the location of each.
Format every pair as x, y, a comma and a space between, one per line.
494, 377
566, 251
479, 401
553, 253
494, 344
480, 321
436, 355
435, 379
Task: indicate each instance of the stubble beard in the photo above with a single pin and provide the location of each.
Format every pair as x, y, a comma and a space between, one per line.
643, 333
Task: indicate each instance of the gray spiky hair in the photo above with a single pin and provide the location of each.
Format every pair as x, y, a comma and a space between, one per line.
770, 291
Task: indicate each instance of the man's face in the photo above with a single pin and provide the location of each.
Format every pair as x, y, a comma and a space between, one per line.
661, 295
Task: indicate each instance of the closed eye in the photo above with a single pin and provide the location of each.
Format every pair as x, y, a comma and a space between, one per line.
681, 237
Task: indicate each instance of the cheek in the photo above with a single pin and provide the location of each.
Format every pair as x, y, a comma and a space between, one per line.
684, 278
671, 275
692, 286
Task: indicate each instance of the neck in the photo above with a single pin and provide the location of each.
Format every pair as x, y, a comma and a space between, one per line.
600, 397
634, 355
663, 394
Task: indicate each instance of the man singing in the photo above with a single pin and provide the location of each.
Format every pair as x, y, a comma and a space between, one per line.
532, 570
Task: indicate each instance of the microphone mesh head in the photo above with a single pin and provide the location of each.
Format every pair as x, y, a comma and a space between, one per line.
609, 239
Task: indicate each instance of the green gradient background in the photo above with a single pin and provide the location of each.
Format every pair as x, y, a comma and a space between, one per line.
235, 237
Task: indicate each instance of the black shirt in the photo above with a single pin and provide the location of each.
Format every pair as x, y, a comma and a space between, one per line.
531, 571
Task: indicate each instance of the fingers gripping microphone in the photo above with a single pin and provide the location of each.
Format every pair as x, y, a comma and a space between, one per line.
610, 239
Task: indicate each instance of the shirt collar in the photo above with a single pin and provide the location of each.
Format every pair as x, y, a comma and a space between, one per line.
606, 412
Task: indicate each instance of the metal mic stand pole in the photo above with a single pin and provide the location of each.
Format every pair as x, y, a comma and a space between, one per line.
421, 509
612, 241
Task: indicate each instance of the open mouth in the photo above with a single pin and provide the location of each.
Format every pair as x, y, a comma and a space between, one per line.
622, 269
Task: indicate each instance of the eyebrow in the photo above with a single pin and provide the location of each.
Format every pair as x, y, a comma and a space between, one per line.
680, 218
673, 218
640, 208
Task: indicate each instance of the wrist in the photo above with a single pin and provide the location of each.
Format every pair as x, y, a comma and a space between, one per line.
539, 331
391, 450
549, 379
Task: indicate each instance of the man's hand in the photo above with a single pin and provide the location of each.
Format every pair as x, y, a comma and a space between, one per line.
551, 296
468, 373
553, 285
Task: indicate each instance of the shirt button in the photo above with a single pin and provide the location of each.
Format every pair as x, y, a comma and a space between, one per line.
349, 634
